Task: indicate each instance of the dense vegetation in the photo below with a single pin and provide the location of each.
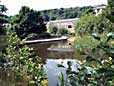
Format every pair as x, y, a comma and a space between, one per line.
27, 22
98, 67
17, 58
89, 23
53, 30
3, 19
22, 61
110, 10
65, 13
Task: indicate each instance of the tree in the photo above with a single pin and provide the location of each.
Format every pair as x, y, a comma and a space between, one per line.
53, 29
89, 23
62, 31
110, 10
65, 13
27, 21
3, 19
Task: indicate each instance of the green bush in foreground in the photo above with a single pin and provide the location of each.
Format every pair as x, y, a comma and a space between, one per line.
21, 59
93, 71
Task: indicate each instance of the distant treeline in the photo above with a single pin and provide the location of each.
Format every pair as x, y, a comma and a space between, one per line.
65, 13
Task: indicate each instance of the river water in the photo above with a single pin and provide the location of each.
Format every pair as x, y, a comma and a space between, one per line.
53, 53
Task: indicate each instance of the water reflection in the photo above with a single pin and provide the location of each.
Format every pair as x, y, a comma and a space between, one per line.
53, 53
42, 50
53, 71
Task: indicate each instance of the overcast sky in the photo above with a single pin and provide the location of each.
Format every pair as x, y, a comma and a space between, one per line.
15, 5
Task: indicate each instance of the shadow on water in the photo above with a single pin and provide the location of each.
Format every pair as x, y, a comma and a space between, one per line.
53, 53
53, 50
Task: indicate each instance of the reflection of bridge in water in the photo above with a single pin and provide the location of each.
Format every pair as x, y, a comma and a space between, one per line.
52, 50
61, 47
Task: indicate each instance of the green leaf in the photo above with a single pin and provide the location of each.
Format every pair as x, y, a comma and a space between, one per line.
90, 59
69, 64
60, 65
61, 78
99, 60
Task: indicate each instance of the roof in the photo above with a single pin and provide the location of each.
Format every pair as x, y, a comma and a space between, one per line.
64, 20
100, 7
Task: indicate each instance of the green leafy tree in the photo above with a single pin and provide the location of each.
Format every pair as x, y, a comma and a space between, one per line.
62, 31
21, 60
110, 10
97, 69
64, 13
27, 21
3, 22
3, 19
89, 23
94, 70
53, 29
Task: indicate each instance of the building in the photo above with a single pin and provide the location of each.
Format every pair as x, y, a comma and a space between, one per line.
64, 23
69, 24
99, 9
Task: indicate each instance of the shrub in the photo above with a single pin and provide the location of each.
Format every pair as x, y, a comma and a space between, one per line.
21, 59
93, 71
62, 31
44, 35
86, 42
90, 23
53, 30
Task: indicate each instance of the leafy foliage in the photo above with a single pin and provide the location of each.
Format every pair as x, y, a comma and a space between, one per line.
94, 71
98, 68
27, 21
110, 10
21, 59
3, 19
53, 29
86, 42
90, 23
62, 31
64, 13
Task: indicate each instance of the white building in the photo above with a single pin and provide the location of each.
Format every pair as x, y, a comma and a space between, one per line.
99, 9
64, 23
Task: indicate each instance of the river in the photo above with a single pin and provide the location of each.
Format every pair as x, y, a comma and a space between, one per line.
53, 53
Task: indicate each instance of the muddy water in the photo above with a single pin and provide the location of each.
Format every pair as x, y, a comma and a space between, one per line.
53, 53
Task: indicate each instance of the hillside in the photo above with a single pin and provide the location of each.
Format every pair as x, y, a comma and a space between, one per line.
65, 13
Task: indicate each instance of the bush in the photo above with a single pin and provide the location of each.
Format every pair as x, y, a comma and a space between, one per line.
90, 23
44, 35
21, 59
86, 42
93, 71
62, 31
53, 30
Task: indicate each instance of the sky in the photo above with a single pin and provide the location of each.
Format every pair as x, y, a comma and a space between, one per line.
15, 5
